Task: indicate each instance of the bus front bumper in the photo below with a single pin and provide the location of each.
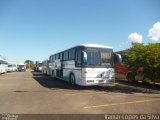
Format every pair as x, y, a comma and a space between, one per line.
97, 81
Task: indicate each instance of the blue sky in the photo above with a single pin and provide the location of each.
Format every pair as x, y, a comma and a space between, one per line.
35, 29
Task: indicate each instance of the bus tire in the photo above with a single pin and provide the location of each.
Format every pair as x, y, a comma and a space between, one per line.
130, 78
72, 79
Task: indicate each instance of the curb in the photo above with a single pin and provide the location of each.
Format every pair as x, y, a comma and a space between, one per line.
140, 88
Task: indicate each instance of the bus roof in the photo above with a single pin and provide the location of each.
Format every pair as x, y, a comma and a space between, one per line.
96, 46
2, 59
122, 51
87, 45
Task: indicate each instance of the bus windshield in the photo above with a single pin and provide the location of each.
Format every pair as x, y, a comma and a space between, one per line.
40, 64
9, 65
98, 57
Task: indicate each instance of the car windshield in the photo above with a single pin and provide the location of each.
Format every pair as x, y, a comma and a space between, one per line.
98, 57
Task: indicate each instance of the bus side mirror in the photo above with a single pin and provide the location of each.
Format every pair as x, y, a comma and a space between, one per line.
84, 57
117, 58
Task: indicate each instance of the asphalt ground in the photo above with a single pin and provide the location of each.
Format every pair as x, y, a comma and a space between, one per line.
33, 93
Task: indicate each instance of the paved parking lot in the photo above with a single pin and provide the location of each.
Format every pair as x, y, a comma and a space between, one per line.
32, 93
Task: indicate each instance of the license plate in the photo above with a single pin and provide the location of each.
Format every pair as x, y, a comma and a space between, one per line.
101, 80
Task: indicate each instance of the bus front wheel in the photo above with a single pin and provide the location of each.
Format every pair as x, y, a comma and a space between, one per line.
72, 79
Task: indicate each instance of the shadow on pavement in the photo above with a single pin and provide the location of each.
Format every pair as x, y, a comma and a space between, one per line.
140, 84
54, 84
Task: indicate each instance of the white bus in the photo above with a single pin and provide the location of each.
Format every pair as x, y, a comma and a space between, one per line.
84, 65
45, 67
3, 65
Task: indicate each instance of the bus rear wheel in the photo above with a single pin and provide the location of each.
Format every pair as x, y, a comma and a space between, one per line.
130, 78
72, 79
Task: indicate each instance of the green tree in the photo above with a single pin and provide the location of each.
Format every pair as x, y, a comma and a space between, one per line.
29, 64
147, 56
152, 61
134, 56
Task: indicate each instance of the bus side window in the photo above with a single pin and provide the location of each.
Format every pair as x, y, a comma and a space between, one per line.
72, 54
61, 56
65, 55
78, 57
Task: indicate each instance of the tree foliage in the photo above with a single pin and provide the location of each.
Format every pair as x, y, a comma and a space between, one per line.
147, 56
29, 64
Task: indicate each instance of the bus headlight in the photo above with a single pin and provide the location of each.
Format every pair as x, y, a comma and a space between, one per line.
111, 73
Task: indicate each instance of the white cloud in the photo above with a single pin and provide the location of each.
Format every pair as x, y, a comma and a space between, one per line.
154, 32
135, 37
